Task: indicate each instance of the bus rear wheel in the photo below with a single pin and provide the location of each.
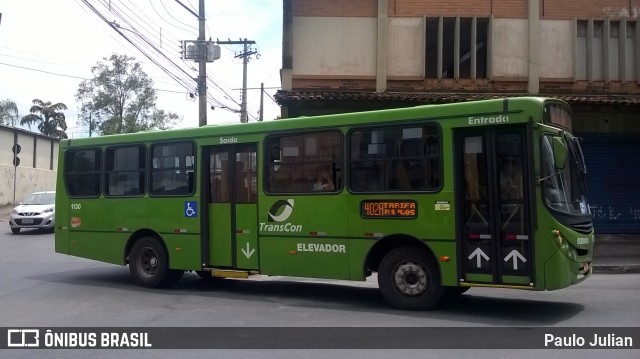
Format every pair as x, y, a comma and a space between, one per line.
409, 278
149, 264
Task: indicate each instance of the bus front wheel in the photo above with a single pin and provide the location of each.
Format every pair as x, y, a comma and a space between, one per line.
409, 278
149, 264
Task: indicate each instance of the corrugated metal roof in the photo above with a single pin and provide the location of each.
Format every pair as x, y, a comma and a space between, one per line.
284, 97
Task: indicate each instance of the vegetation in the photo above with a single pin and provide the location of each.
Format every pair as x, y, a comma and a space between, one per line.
49, 118
8, 112
120, 98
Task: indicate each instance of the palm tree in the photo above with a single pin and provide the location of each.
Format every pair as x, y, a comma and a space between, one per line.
51, 122
8, 112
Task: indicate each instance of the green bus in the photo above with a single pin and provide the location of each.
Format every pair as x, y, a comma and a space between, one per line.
433, 199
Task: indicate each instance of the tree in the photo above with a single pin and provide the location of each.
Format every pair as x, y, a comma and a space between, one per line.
51, 121
8, 112
120, 99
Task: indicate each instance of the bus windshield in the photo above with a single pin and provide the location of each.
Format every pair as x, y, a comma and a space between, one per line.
564, 184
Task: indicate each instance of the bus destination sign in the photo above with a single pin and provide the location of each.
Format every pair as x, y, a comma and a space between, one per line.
382, 208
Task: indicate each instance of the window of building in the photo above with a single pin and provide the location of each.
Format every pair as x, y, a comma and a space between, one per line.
614, 48
173, 169
431, 58
394, 159
630, 51
82, 172
304, 163
581, 48
448, 44
605, 50
596, 46
124, 171
443, 60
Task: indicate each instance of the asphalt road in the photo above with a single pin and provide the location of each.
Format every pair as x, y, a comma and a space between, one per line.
39, 288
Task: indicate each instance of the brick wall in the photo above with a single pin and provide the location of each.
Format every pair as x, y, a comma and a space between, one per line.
310, 84
517, 9
441, 7
598, 9
355, 8
502, 85
369, 8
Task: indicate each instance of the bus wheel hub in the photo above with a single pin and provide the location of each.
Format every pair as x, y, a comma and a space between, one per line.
410, 278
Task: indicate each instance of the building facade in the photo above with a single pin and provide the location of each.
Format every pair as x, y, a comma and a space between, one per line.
32, 169
344, 56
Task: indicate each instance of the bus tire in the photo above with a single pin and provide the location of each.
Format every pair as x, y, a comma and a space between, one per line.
409, 279
149, 264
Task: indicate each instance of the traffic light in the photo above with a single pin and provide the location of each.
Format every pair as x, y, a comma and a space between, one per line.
16, 149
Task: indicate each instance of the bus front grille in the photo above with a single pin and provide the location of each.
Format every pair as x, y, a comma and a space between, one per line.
584, 228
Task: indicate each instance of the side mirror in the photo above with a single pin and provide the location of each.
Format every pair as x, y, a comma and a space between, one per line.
559, 153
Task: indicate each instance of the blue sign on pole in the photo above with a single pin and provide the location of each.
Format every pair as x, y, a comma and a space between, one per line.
191, 209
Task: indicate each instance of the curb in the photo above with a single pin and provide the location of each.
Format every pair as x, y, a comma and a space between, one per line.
616, 269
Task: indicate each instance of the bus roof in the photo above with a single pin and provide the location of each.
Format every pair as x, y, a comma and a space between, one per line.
438, 111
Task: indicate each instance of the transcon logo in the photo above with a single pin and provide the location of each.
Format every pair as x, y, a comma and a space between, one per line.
284, 207
265, 227
483, 120
280, 211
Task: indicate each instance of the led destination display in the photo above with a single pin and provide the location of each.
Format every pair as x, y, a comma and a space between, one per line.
378, 208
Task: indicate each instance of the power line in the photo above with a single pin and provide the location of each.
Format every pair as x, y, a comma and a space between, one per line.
178, 21
139, 47
143, 29
142, 44
46, 72
75, 77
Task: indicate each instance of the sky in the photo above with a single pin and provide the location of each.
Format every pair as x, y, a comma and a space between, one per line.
48, 47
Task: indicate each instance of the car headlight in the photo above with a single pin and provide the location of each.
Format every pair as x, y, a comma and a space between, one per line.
48, 210
14, 211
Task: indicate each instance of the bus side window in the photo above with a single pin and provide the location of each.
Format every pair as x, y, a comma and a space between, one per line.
242, 183
190, 182
368, 176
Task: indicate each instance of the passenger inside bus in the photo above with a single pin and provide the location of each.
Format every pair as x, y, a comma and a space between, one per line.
323, 180
510, 178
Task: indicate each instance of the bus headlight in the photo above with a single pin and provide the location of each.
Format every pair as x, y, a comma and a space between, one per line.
564, 245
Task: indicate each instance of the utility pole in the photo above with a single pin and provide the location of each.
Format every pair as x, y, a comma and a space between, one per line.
202, 52
202, 71
245, 59
261, 101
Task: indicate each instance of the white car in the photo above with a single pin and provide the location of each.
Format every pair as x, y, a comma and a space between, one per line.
36, 211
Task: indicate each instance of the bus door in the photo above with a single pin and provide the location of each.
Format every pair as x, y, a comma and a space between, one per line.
494, 232
232, 207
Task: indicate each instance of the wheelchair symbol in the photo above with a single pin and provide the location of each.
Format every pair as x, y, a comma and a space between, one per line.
191, 209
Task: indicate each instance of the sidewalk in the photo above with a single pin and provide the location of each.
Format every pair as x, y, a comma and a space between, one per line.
617, 253
614, 253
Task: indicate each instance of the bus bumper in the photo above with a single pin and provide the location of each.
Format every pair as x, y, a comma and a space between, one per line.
561, 272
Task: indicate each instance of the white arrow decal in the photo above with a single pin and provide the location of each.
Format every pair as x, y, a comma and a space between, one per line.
249, 252
515, 255
479, 254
